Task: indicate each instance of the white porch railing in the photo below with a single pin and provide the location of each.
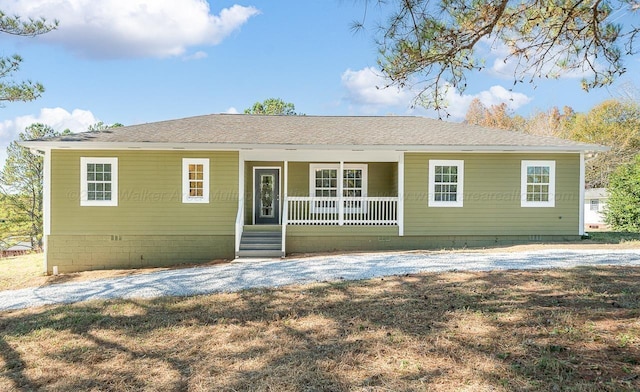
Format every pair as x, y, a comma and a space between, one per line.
355, 210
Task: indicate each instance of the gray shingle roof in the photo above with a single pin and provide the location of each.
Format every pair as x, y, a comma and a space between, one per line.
235, 130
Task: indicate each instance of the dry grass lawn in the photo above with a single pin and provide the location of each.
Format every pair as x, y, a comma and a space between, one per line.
552, 330
27, 271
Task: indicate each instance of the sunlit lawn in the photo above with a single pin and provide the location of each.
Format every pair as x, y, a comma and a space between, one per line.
22, 271
552, 330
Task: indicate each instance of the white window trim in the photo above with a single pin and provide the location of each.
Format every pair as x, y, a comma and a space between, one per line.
186, 198
552, 184
84, 194
432, 184
312, 184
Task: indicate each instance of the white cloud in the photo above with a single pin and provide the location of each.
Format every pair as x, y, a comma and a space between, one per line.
133, 28
505, 67
232, 110
196, 56
366, 89
59, 119
365, 94
495, 95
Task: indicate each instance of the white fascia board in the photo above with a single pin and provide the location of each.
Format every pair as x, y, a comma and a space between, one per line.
235, 147
323, 156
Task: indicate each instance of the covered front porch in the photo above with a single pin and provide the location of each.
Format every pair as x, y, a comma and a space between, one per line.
317, 188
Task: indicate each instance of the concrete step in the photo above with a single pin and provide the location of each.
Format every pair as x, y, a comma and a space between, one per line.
261, 241
262, 228
259, 253
260, 246
256, 234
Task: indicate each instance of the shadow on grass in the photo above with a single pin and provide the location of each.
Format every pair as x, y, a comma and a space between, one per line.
612, 237
569, 330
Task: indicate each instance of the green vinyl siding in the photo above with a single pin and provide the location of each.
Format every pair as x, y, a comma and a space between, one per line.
150, 195
491, 197
382, 181
298, 179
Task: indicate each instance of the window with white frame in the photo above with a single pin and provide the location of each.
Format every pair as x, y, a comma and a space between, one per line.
195, 180
324, 184
538, 186
98, 181
446, 183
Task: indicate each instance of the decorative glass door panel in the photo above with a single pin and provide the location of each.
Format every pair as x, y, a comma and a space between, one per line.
267, 196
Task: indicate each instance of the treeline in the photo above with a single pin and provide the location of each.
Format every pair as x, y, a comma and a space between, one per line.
613, 123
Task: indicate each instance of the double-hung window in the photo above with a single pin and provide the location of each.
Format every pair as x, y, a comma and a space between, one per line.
538, 186
98, 181
195, 180
446, 183
324, 184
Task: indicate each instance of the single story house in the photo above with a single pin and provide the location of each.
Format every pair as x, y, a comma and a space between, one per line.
595, 203
16, 249
222, 186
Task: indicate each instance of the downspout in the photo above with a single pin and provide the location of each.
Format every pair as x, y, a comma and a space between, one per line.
582, 184
400, 191
46, 204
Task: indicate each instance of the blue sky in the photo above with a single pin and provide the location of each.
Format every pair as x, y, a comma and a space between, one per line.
135, 61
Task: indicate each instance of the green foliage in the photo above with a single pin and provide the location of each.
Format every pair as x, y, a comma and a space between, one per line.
434, 44
11, 90
15, 25
272, 107
623, 205
612, 123
12, 222
21, 183
99, 126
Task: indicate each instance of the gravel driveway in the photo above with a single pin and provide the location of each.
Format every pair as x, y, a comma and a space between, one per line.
273, 273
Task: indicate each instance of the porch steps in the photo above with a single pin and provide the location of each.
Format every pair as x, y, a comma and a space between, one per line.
261, 241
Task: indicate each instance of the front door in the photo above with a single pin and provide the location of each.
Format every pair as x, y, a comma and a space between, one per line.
266, 205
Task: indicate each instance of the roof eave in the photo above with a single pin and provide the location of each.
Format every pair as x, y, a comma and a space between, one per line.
75, 145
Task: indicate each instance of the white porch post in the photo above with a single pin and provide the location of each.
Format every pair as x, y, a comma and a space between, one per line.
240, 212
340, 195
284, 211
581, 208
241, 182
285, 188
400, 212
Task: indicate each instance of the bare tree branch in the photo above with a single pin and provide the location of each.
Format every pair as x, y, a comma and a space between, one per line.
433, 45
